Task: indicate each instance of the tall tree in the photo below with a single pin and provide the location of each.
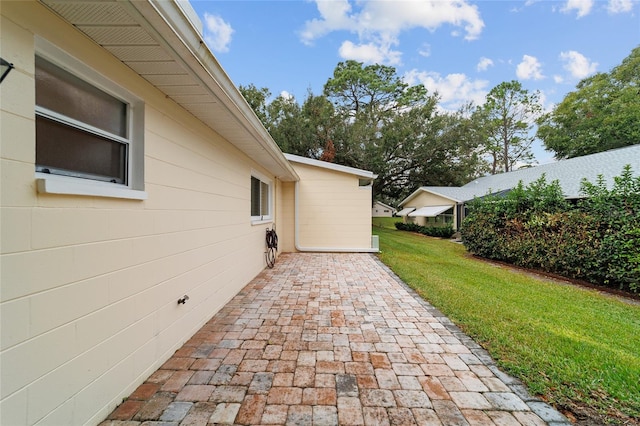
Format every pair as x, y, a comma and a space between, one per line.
508, 117
257, 100
602, 114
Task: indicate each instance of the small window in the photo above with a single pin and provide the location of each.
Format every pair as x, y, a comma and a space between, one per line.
260, 199
81, 131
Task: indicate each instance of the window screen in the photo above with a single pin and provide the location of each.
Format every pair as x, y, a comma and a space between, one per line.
81, 130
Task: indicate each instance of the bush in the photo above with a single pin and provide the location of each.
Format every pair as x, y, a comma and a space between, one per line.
432, 231
597, 240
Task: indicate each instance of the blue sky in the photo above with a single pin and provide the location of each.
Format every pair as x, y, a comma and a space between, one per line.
459, 48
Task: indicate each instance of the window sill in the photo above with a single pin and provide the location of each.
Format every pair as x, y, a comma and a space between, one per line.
261, 221
56, 185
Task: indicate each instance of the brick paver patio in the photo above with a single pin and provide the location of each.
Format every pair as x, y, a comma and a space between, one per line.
328, 339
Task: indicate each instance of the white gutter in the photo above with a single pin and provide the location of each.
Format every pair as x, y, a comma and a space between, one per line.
321, 249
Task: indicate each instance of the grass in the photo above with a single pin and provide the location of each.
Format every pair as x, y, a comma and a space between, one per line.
577, 348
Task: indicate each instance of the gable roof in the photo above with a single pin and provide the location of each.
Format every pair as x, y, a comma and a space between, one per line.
569, 174
162, 41
331, 166
384, 205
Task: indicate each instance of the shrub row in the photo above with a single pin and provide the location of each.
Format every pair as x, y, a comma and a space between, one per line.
596, 239
432, 231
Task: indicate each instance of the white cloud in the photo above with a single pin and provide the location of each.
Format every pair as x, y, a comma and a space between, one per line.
583, 7
484, 64
369, 53
529, 69
577, 64
218, 33
455, 90
381, 22
425, 50
558, 79
620, 6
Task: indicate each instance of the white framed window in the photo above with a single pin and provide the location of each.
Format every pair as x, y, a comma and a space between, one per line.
89, 130
261, 195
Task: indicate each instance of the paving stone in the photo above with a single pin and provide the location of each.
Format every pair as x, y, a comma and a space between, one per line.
503, 418
195, 393
449, 413
228, 393
223, 375
401, 416
375, 416
126, 410
153, 408
251, 410
346, 385
275, 414
200, 377
176, 411
412, 399
225, 413
177, 381
350, 411
409, 383
377, 398
261, 383
199, 414
528, 418
506, 401
387, 379
472, 400
145, 391
289, 396
299, 415
426, 416
434, 388
546, 412
325, 415
477, 417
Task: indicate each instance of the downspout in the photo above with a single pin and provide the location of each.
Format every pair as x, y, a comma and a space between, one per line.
320, 249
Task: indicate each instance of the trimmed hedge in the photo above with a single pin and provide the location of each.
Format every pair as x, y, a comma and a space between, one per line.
432, 231
596, 240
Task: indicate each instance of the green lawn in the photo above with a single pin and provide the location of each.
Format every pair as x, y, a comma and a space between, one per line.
575, 347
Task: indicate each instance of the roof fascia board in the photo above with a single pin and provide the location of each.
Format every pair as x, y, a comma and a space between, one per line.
330, 166
424, 189
167, 21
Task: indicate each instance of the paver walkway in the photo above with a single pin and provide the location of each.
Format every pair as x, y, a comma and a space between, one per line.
328, 339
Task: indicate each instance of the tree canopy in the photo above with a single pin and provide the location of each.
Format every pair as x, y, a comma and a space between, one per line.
368, 117
602, 113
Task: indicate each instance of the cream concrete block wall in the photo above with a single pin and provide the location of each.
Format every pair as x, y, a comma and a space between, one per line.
88, 286
423, 199
333, 210
286, 218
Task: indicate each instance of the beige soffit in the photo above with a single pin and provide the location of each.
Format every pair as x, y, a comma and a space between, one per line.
162, 42
430, 211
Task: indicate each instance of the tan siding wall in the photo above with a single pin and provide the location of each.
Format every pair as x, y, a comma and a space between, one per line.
89, 285
333, 211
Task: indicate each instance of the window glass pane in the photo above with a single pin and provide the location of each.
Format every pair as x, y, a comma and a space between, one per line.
264, 198
66, 94
255, 196
70, 151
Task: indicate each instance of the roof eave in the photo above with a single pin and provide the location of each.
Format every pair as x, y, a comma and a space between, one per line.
171, 26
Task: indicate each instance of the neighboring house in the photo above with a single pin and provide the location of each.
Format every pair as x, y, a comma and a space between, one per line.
380, 209
437, 205
133, 173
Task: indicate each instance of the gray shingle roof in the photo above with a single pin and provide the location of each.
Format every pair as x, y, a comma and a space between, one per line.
569, 173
